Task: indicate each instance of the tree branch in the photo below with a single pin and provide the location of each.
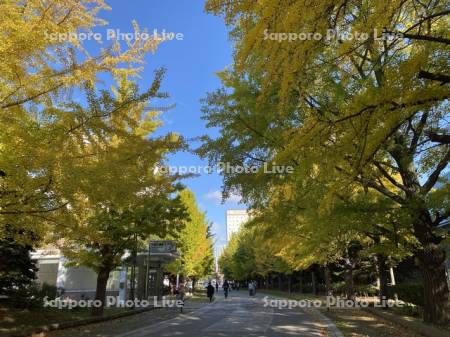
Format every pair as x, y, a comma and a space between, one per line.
389, 177
35, 211
432, 179
438, 138
418, 132
383, 190
30, 98
434, 77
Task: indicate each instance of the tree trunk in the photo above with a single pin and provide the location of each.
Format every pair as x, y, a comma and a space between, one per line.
280, 283
132, 282
436, 293
348, 275
382, 275
289, 284
431, 259
300, 283
391, 271
327, 280
267, 282
100, 291
313, 281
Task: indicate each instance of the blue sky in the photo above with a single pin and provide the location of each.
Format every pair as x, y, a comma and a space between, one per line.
191, 66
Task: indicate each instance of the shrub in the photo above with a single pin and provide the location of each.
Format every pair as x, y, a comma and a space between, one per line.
49, 291
408, 292
31, 296
366, 289
25, 297
338, 287
359, 289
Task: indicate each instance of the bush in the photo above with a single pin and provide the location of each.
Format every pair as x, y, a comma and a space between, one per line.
408, 292
338, 287
366, 289
31, 296
25, 297
359, 289
49, 291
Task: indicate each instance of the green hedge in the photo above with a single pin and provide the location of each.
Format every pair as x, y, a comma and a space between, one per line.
359, 289
408, 292
31, 296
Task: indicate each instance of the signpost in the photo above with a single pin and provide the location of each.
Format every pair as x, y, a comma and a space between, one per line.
163, 248
160, 252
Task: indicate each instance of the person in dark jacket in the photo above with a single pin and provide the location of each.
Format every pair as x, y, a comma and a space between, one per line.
226, 288
210, 291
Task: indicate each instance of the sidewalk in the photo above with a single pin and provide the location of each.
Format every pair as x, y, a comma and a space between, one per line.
328, 326
125, 324
39, 322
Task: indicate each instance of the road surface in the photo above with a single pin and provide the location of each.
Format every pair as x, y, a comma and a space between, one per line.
239, 315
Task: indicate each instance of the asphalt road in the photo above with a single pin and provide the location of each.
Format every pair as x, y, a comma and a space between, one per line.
239, 315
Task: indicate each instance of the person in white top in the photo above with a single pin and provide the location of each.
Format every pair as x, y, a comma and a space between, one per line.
251, 288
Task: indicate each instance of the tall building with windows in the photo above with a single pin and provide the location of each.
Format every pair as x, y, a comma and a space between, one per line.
235, 218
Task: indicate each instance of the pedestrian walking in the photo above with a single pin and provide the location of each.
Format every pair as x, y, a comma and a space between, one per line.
190, 287
226, 288
251, 288
217, 286
210, 292
180, 295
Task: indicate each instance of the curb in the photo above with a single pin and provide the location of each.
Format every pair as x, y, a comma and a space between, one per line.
73, 324
331, 328
409, 323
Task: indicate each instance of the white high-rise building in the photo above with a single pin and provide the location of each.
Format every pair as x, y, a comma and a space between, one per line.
235, 218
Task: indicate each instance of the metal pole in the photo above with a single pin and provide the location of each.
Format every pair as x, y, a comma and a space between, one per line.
133, 270
158, 282
146, 273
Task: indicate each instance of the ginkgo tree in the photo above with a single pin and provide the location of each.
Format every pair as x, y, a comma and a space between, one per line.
194, 241
41, 72
368, 112
43, 55
238, 259
121, 193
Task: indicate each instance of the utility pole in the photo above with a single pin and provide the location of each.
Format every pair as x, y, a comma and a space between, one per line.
133, 269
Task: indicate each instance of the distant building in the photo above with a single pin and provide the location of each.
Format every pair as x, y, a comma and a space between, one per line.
235, 219
73, 282
80, 282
